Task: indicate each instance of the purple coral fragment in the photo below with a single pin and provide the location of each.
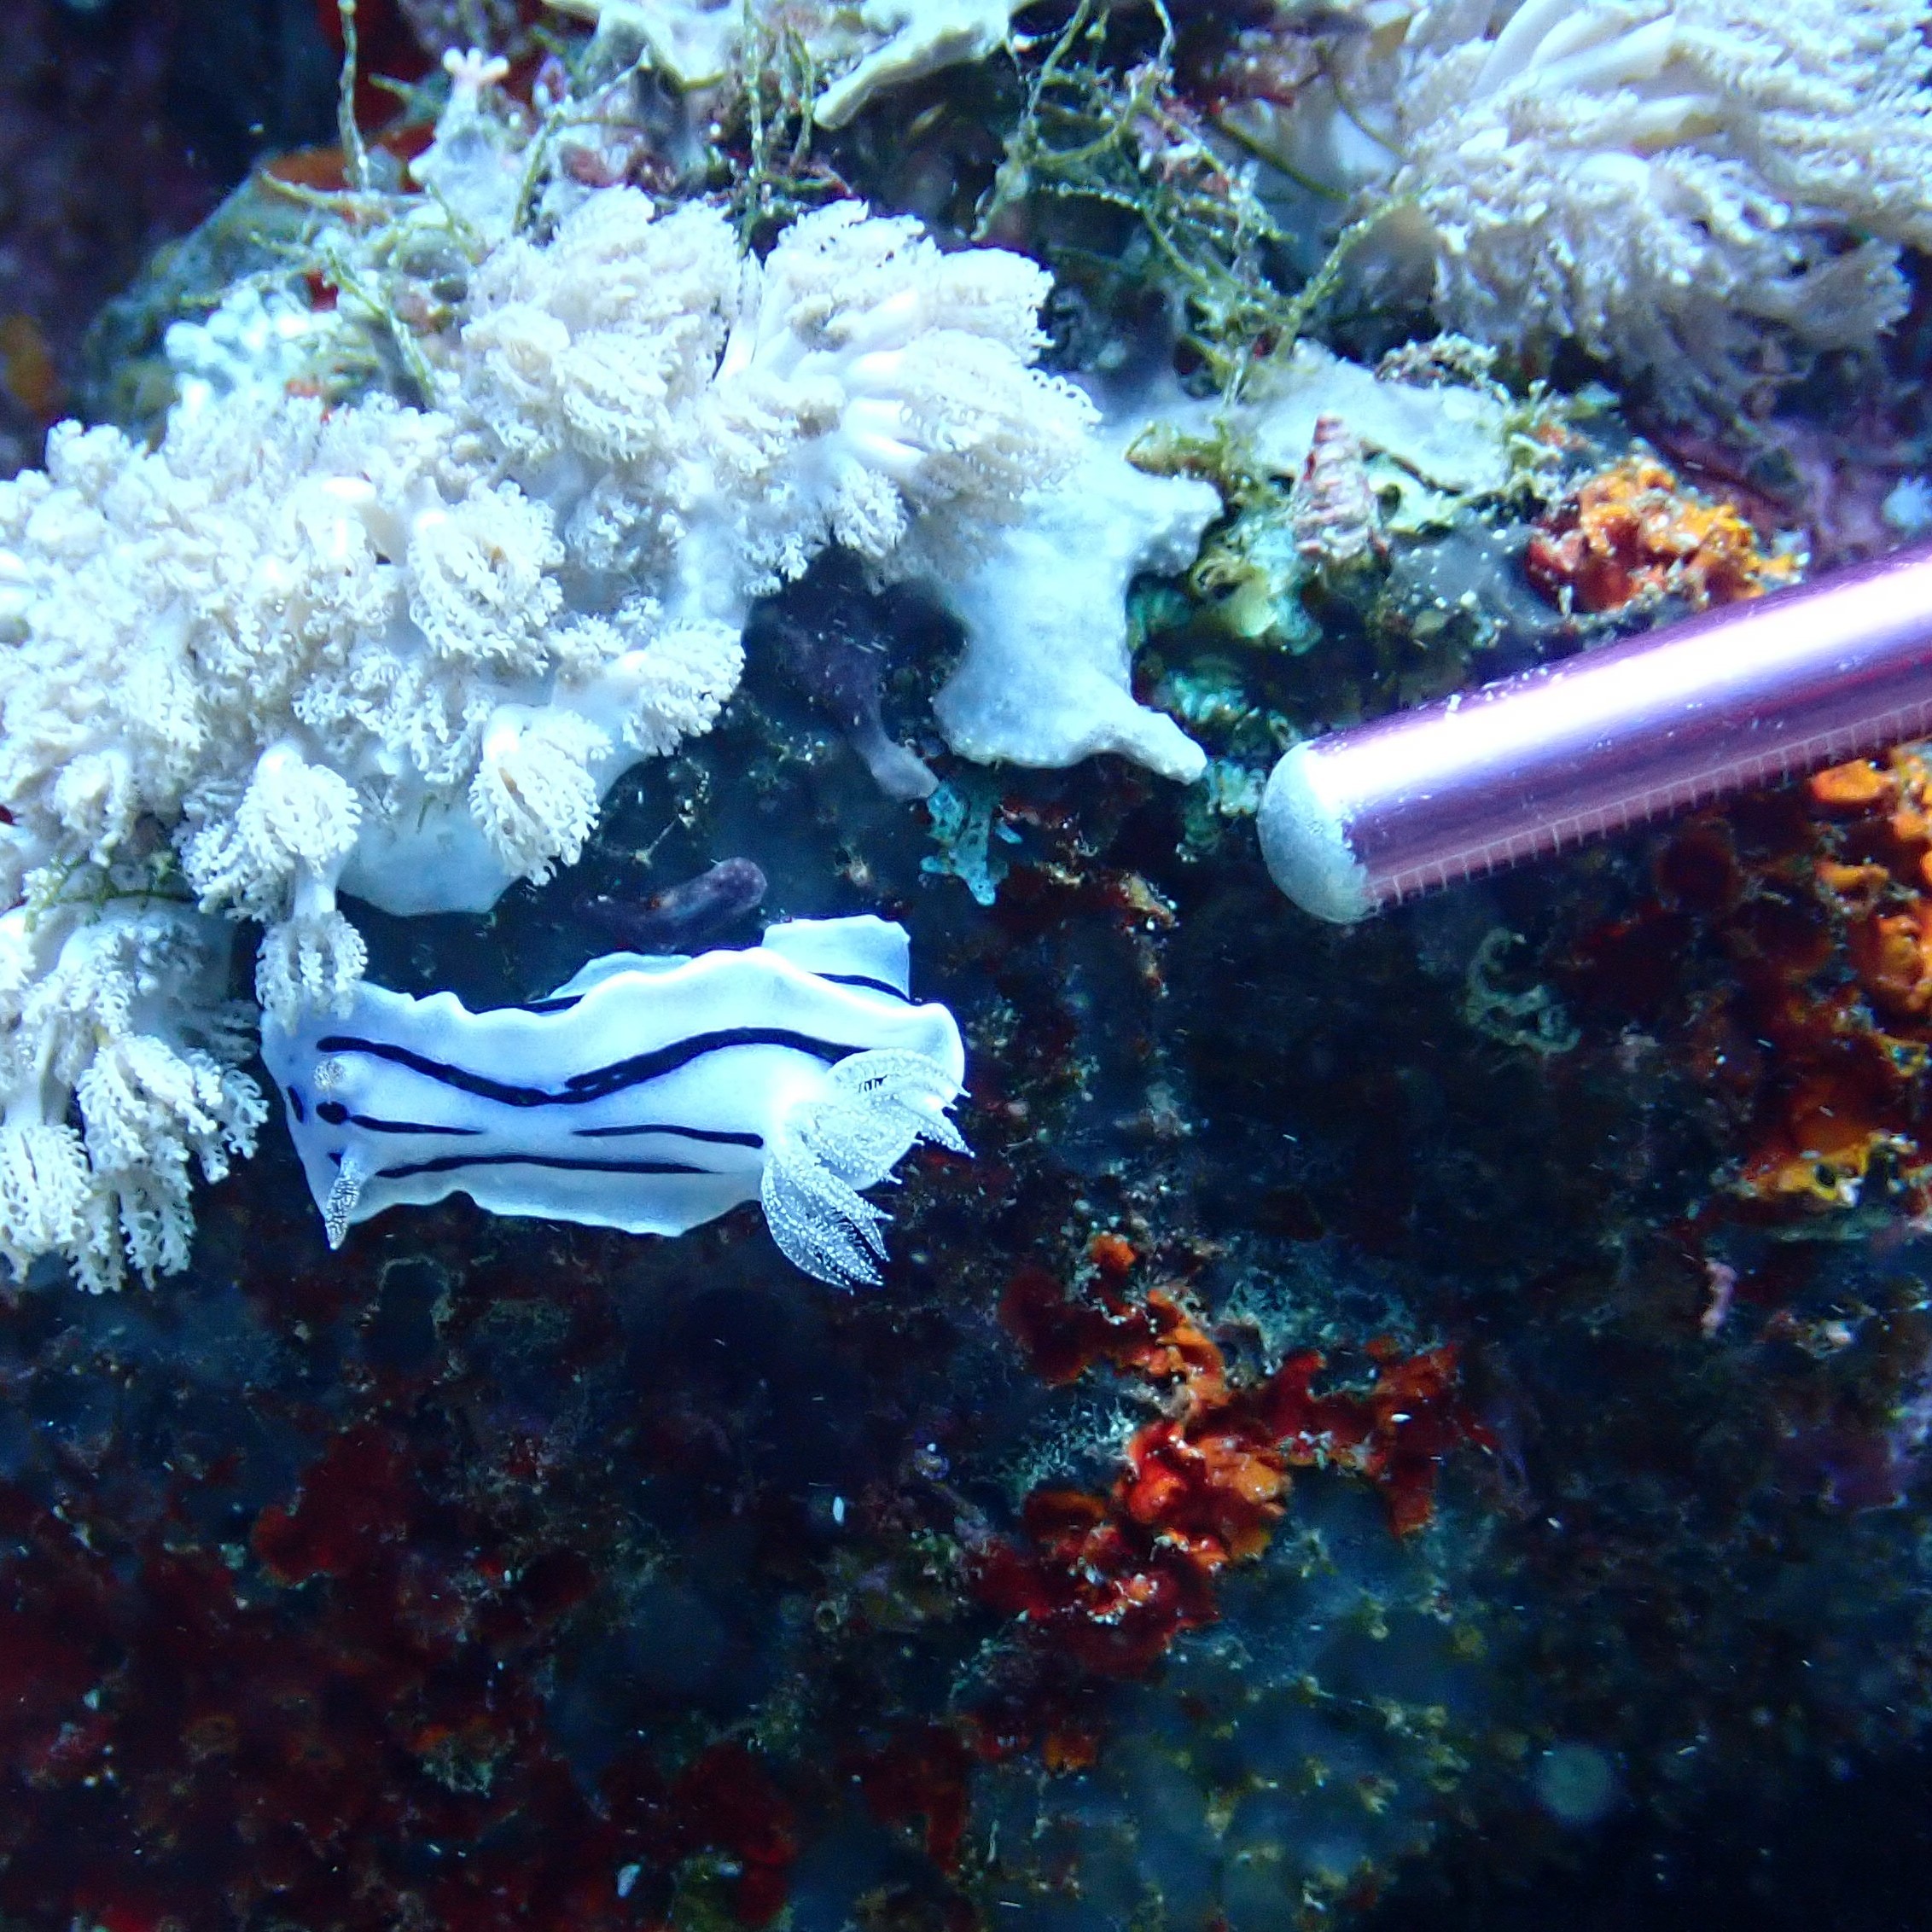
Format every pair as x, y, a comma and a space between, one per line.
681, 918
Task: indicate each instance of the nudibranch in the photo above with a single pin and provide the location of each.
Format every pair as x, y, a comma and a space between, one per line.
649, 1093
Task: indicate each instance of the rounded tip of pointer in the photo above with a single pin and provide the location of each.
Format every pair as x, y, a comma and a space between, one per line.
1306, 845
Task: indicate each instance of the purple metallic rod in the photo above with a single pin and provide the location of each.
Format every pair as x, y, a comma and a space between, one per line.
1746, 696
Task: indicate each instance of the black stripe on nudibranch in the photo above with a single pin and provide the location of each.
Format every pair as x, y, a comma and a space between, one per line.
721, 1135
860, 979
335, 1114
598, 1082
454, 1163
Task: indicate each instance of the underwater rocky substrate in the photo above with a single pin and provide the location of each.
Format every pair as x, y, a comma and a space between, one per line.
489, 1573
1421, 1425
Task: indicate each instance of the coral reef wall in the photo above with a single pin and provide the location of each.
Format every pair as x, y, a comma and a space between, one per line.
1423, 1423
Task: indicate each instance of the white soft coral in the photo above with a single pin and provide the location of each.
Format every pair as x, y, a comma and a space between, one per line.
719, 420
119, 1069
591, 347
1701, 192
534, 794
283, 636
404, 653
871, 385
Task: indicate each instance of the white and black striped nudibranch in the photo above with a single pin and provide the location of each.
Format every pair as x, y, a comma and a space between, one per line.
647, 1094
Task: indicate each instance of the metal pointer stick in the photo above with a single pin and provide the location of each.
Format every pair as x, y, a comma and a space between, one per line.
1734, 698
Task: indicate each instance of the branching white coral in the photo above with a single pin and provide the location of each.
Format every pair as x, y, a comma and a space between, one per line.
1701, 192
120, 1060
721, 421
1046, 676
693, 44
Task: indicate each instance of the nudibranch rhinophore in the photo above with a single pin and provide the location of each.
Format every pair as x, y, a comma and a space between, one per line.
649, 1093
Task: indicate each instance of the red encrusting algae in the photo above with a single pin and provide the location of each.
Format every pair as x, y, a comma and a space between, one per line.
1819, 904
1113, 1579
1633, 533
920, 1778
1853, 1026
726, 1798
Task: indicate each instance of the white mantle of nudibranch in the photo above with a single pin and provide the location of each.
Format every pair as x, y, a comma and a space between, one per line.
649, 1094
